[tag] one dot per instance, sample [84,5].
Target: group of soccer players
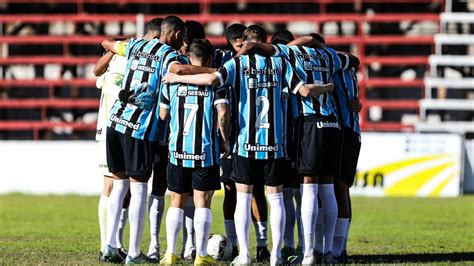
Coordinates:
[281,117]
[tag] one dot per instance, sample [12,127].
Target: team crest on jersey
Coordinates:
[182,91]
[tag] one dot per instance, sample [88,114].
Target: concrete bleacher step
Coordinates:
[447,83]
[460,127]
[450,60]
[445,104]
[448,17]
[452,39]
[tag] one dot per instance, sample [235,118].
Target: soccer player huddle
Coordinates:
[273,122]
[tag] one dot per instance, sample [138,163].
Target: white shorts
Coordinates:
[103,168]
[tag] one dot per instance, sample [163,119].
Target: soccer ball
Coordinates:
[219,247]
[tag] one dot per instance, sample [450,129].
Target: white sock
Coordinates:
[309,212]
[277,222]
[102,211]
[230,232]
[242,222]
[289,235]
[137,214]
[156,207]
[320,232]
[340,234]
[347,235]
[188,233]
[114,207]
[174,223]
[329,209]
[121,227]
[297,197]
[202,227]
[261,229]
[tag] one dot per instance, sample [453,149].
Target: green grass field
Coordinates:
[64,230]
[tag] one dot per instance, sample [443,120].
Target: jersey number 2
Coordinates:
[189,119]
[262,101]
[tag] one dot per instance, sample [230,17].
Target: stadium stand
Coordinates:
[448,105]
[48,48]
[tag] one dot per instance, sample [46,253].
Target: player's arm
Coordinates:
[294,82]
[351,60]
[182,69]
[308,41]
[204,79]
[103,63]
[165,103]
[354,105]
[116,47]
[313,90]
[221,103]
[257,48]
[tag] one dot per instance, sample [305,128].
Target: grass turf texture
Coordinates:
[64,230]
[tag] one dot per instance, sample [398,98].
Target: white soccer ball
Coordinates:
[219,247]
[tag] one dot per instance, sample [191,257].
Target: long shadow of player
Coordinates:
[403,258]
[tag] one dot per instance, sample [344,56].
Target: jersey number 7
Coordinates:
[189,119]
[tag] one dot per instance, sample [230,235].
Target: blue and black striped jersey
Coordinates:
[314,66]
[219,57]
[193,140]
[148,61]
[261,86]
[346,89]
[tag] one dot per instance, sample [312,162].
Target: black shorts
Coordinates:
[160,165]
[251,171]
[290,175]
[226,171]
[350,149]
[127,154]
[184,180]
[318,146]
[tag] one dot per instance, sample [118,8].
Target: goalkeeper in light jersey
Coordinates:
[109,68]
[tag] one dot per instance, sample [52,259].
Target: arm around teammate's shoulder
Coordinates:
[204,79]
[183,69]
[103,63]
[313,90]
[264,49]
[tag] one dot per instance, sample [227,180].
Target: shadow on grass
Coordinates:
[401,258]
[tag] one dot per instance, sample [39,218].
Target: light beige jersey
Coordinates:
[110,83]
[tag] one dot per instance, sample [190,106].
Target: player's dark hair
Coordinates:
[255,32]
[194,30]
[173,24]
[201,48]
[318,37]
[234,31]
[154,25]
[282,37]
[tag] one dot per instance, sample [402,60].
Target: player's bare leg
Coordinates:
[260,218]
[228,208]
[289,235]
[277,221]
[343,217]
[242,222]
[188,251]
[156,205]
[137,214]
[329,212]
[202,225]
[300,244]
